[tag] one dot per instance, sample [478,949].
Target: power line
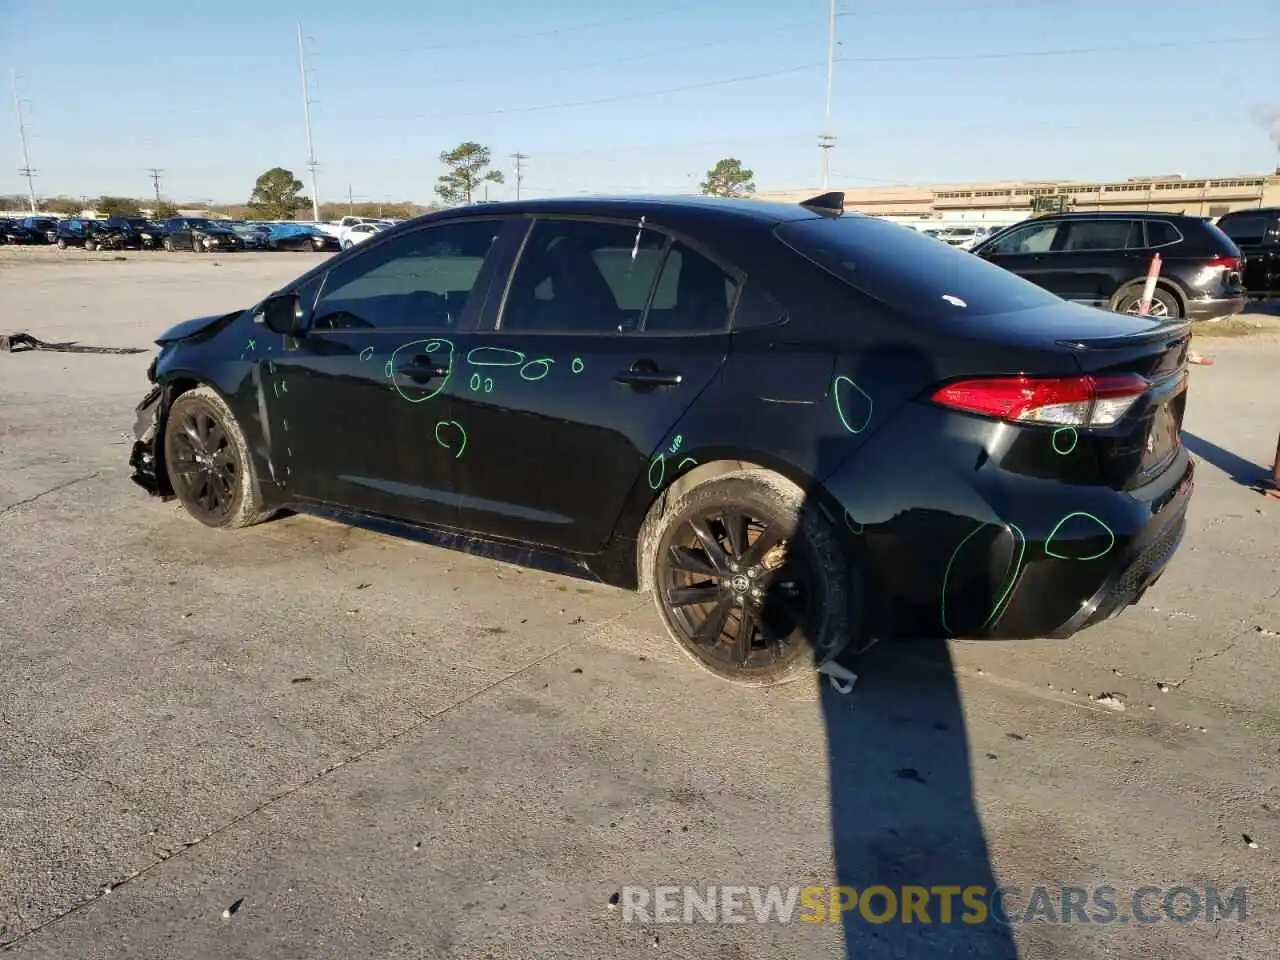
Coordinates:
[770,74]
[519,158]
[26,168]
[306,107]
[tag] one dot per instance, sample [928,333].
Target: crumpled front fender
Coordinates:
[147,457]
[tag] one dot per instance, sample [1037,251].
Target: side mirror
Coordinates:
[282,314]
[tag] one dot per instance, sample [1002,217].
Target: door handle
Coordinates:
[649,378]
[422,369]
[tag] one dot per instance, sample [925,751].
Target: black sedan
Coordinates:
[45,229]
[199,235]
[301,237]
[801,430]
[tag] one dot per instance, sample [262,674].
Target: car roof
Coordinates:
[1120,215]
[628,207]
[1252,212]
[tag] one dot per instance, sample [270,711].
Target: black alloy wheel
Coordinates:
[204,465]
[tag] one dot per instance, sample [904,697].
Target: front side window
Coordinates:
[578,276]
[1033,238]
[421,280]
[1086,235]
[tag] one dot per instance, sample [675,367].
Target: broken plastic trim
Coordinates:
[21,342]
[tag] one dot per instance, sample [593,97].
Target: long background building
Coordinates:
[1003,201]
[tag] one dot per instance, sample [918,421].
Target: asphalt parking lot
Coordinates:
[302,740]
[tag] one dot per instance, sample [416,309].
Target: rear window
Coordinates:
[1244,229]
[1225,241]
[909,271]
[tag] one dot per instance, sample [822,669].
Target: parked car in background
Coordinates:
[12,231]
[357,232]
[138,233]
[199,235]
[252,234]
[300,236]
[44,229]
[1102,259]
[1257,234]
[594,385]
[84,232]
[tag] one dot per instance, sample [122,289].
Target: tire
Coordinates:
[62,244]
[90,246]
[168,244]
[213,476]
[196,245]
[803,621]
[348,245]
[1164,304]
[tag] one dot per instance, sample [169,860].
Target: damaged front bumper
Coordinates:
[144,459]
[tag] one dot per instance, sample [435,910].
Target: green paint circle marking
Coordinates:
[680,465]
[1009,584]
[494,357]
[461,430]
[577,366]
[1069,441]
[366,353]
[426,346]
[660,462]
[488,384]
[676,444]
[535,370]
[841,401]
[475,381]
[1058,526]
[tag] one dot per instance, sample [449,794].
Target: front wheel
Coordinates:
[750,581]
[62,244]
[1164,305]
[207,459]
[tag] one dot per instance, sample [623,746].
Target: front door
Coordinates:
[1095,258]
[362,411]
[1027,251]
[608,333]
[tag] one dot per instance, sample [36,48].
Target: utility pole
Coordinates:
[26,169]
[155,181]
[306,108]
[519,158]
[351,202]
[826,141]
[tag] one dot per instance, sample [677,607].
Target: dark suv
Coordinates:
[1257,234]
[1102,259]
[45,229]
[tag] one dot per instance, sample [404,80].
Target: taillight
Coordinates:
[1057,401]
[1223,263]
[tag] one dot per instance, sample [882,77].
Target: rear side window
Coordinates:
[910,272]
[1161,233]
[1087,235]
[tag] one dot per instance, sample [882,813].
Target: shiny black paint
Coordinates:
[968,526]
[1102,277]
[1261,248]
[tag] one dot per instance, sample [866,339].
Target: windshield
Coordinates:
[909,271]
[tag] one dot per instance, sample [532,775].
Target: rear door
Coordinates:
[1027,250]
[607,332]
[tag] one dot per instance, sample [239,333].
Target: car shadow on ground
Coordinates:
[1242,471]
[903,812]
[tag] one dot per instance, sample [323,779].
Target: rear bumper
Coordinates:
[1218,309]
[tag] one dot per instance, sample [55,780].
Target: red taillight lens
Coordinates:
[1223,263]
[1054,401]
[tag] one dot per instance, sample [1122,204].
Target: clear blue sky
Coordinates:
[929,90]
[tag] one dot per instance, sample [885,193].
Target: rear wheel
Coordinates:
[90,245]
[751,584]
[1164,305]
[168,244]
[62,244]
[207,458]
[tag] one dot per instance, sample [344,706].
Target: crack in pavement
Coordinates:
[45,493]
[315,778]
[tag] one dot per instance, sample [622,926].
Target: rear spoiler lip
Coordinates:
[1173,331]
